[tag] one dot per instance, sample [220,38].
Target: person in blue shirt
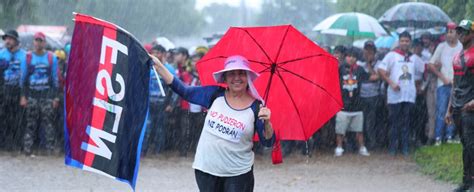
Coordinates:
[160,107]
[224,157]
[40,95]
[12,68]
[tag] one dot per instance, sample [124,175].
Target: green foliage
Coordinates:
[144,18]
[303,14]
[443,162]
[223,16]
[15,12]
[455,9]
[469,12]
[374,8]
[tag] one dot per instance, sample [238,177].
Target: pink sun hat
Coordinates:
[235,62]
[238,62]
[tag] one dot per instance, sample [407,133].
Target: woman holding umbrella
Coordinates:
[224,157]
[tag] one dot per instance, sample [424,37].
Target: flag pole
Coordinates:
[159,82]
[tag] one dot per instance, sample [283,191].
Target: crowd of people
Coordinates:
[409,113]
[394,99]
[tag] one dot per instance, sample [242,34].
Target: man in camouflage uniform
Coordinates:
[40,95]
[12,63]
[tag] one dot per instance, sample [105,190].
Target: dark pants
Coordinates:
[375,133]
[400,116]
[39,117]
[196,124]
[419,121]
[185,137]
[465,122]
[326,136]
[173,130]
[191,126]
[155,135]
[210,183]
[11,118]
[59,124]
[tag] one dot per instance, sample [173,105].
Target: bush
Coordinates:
[443,162]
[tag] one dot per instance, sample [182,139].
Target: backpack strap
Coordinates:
[29,56]
[463,63]
[50,59]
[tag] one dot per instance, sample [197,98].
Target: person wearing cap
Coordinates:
[428,46]
[461,104]
[40,95]
[340,53]
[224,157]
[196,112]
[428,96]
[372,98]
[12,69]
[421,109]
[402,71]
[160,107]
[441,64]
[351,117]
[184,73]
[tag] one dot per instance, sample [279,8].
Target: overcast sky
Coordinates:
[255,4]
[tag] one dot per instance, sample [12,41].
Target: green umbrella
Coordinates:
[355,25]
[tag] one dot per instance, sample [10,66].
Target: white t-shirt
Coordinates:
[404,73]
[225,146]
[444,54]
[425,55]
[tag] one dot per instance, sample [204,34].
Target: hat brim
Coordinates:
[218,76]
[8,35]
[463,28]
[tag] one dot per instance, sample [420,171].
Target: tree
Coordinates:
[143,18]
[10,9]
[221,16]
[373,8]
[455,9]
[146,18]
[303,14]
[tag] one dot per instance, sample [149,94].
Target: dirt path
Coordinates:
[322,172]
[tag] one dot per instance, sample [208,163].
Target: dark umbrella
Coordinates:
[414,14]
[26,42]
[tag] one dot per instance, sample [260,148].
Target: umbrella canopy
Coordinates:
[414,14]
[165,42]
[26,42]
[416,33]
[359,43]
[386,41]
[298,80]
[351,25]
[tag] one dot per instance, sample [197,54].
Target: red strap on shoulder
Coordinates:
[28,58]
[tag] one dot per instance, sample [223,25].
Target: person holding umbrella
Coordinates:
[224,157]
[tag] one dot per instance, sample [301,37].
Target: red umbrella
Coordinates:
[299,81]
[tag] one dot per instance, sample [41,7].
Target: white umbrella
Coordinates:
[165,42]
[351,24]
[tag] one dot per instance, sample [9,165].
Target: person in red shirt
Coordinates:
[461,107]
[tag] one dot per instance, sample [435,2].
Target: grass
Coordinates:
[442,162]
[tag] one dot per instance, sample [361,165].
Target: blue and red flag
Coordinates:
[106,99]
